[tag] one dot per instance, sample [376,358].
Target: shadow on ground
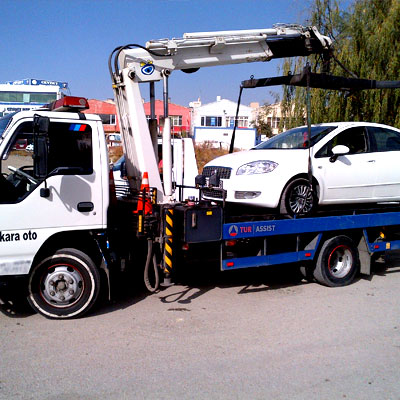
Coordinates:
[192,281]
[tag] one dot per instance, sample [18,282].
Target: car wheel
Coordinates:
[337,263]
[64,285]
[298,198]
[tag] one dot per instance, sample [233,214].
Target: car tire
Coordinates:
[64,285]
[338,262]
[298,198]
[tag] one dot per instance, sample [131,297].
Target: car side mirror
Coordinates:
[339,150]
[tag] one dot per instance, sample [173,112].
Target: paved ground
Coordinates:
[257,334]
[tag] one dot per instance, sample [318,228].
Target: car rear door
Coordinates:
[386,150]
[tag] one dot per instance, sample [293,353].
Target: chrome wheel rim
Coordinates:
[62,286]
[301,199]
[340,261]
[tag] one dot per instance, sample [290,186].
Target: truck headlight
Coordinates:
[256,167]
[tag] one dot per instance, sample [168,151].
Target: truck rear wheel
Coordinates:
[64,285]
[337,263]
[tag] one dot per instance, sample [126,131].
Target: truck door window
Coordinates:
[70,146]
[16,179]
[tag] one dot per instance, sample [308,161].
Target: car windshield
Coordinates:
[296,138]
[4,122]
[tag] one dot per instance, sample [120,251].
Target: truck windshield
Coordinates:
[296,138]
[4,122]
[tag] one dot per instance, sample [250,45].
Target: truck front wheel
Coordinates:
[64,285]
[337,263]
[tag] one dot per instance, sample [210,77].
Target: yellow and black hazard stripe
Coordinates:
[168,244]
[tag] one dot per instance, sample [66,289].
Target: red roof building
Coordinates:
[107,112]
[180,116]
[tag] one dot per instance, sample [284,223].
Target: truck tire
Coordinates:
[64,285]
[337,263]
[298,198]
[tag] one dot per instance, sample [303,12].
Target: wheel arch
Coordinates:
[315,182]
[79,240]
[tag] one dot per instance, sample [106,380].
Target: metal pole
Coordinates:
[308,71]
[166,142]
[152,101]
[153,120]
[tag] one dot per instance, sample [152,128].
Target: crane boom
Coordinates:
[134,64]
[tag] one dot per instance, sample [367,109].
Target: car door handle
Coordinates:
[371,161]
[85,206]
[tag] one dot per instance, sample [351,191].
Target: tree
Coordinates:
[367,43]
[262,126]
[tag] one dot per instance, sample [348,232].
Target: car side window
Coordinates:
[384,139]
[354,138]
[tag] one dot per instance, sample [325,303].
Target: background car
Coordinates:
[120,181]
[351,162]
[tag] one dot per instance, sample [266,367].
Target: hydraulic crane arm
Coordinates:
[207,49]
[134,64]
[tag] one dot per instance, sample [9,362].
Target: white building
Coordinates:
[271,114]
[28,94]
[214,122]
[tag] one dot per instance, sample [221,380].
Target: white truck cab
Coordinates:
[69,203]
[54,200]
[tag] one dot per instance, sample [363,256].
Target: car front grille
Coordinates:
[222,172]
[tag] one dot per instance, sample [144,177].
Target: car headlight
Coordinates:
[256,167]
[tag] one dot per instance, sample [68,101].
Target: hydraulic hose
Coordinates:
[151,257]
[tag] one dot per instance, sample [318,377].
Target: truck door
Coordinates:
[75,200]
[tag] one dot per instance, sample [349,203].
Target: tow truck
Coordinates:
[63,232]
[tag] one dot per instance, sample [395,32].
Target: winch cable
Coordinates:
[151,257]
[232,145]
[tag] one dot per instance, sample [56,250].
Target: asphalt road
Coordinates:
[256,334]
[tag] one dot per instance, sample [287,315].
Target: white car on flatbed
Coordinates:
[351,162]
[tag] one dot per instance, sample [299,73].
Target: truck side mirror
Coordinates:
[40,146]
[41,124]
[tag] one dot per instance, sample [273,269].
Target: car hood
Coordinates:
[280,156]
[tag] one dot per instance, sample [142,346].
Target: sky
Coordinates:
[71,40]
